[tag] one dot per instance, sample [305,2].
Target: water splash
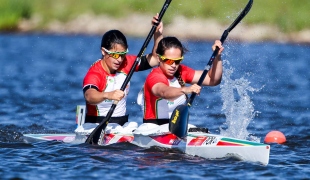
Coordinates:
[237,105]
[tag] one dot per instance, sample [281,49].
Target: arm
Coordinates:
[214,76]
[92,96]
[158,35]
[167,92]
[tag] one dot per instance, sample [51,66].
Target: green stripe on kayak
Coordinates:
[242,142]
[230,140]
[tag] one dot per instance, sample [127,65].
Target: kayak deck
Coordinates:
[209,146]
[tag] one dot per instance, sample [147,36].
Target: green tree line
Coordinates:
[287,15]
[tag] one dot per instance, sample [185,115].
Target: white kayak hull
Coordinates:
[206,145]
[209,146]
[67,138]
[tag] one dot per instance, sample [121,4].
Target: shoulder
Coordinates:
[185,68]
[187,73]
[156,72]
[156,76]
[127,63]
[95,68]
[131,58]
[95,74]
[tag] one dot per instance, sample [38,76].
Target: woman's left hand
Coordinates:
[160,26]
[218,43]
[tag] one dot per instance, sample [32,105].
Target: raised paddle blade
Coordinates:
[244,12]
[179,121]
[94,137]
[173,127]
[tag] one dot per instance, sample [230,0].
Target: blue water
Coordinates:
[41,84]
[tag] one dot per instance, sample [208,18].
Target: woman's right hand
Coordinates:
[191,89]
[116,95]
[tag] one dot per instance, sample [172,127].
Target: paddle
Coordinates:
[179,119]
[99,130]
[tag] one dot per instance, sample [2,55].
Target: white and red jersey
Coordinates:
[156,107]
[105,82]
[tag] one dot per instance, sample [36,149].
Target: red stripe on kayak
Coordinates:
[58,138]
[197,141]
[125,139]
[108,137]
[168,139]
[224,143]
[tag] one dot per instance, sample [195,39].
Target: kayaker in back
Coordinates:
[103,81]
[164,88]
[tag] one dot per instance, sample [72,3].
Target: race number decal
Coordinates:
[210,140]
[200,140]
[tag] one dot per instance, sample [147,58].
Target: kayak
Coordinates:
[198,142]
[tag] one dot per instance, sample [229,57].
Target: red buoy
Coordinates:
[275,137]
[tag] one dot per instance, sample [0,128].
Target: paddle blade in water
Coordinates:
[179,121]
[94,137]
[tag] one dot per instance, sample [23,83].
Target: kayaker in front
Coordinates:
[164,88]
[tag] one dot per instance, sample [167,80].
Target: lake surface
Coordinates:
[41,85]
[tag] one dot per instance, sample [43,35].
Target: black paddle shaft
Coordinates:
[95,135]
[178,123]
[223,38]
[145,44]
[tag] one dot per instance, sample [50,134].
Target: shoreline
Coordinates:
[139,25]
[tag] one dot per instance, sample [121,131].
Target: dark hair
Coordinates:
[112,37]
[169,42]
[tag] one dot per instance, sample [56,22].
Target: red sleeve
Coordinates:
[94,77]
[187,73]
